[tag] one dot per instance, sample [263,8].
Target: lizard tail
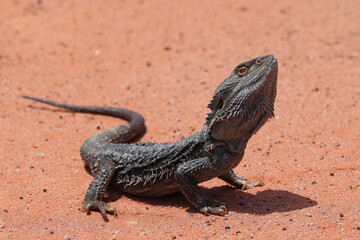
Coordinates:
[119,134]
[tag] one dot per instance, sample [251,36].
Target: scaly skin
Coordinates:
[240,106]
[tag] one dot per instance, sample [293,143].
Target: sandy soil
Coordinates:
[165,61]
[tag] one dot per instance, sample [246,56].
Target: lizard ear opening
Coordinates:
[220,104]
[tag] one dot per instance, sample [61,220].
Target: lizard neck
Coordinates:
[237,145]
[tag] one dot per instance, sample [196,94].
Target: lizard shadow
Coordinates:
[261,203]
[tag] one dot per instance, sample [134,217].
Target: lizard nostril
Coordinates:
[258,62]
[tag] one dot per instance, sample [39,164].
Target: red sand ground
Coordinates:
[165,61]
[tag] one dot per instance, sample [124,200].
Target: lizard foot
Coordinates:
[248,185]
[245,185]
[212,207]
[100,206]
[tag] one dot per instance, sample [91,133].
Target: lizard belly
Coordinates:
[158,188]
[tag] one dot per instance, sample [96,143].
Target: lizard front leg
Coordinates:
[239,182]
[185,177]
[96,190]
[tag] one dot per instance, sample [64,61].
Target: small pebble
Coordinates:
[332,174]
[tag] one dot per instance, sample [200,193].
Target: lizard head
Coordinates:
[244,101]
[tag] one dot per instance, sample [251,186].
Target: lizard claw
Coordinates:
[213,207]
[242,184]
[248,185]
[100,206]
[221,210]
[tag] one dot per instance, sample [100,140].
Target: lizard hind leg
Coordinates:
[93,198]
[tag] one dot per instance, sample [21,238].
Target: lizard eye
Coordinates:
[258,62]
[220,104]
[242,71]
